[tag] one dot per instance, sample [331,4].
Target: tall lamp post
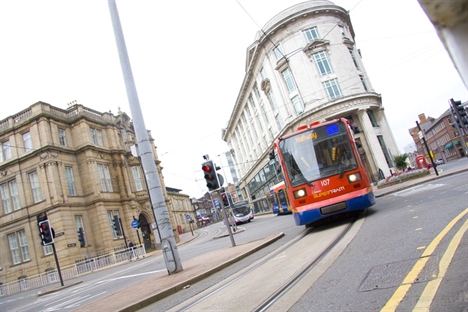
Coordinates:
[168,243]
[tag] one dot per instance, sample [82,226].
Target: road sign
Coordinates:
[187,216]
[216,202]
[135,224]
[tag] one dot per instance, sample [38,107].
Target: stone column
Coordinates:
[376,153]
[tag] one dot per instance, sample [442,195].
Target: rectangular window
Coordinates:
[263,74]
[279,122]
[342,30]
[322,63]
[96,137]
[354,59]
[372,118]
[332,88]
[311,34]
[297,103]
[104,177]
[47,250]
[136,178]
[363,82]
[18,247]
[70,181]
[385,150]
[62,137]
[278,52]
[10,197]
[288,79]
[5,151]
[27,142]
[257,92]
[272,100]
[252,102]
[35,187]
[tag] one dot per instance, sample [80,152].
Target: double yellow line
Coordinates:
[430,291]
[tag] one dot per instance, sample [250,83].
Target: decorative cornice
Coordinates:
[316,45]
[48,154]
[322,112]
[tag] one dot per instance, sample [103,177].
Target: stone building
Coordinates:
[76,166]
[181,210]
[302,67]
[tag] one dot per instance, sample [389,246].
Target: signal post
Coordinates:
[214,182]
[47,234]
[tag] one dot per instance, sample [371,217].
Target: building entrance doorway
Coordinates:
[146,232]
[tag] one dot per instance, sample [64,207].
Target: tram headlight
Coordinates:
[354,177]
[300,193]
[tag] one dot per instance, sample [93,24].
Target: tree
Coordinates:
[400,161]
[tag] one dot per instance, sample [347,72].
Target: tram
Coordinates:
[323,172]
[279,199]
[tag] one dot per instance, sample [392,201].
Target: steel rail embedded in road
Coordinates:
[258,271]
[300,274]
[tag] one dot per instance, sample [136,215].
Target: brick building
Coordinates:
[442,138]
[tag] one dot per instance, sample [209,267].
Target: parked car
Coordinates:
[439,161]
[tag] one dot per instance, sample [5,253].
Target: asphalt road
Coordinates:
[397,232]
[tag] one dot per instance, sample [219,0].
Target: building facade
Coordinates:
[303,67]
[442,137]
[76,166]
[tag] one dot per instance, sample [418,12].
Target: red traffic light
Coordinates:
[210,175]
[207,168]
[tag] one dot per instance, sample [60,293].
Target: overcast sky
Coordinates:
[188,61]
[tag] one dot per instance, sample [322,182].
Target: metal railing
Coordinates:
[81,267]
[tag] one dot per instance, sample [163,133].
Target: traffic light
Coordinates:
[46,233]
[81,237]
[460,113]
[225,199]
[211,177]
[116,225]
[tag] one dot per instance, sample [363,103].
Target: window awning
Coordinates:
[457,142]
[450,145]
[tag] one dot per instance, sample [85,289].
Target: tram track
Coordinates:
[262,284]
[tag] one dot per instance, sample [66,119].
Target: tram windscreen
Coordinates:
[318,153]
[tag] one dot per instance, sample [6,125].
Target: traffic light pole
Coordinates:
[58,265]
[428,151]
[158,203]
[228,223]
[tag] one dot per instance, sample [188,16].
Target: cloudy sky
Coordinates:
[188,61]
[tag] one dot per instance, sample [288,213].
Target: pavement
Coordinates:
[147,292]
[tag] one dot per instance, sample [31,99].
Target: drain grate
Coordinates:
[392,274]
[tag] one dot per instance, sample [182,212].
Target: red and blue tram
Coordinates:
[279,199]
[323,172]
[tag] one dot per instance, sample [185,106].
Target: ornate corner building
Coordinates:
[76,166]
[302,67]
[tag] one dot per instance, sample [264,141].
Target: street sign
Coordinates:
[420,135]
[59,234]
[71,245]
[135,224]
[187,216]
